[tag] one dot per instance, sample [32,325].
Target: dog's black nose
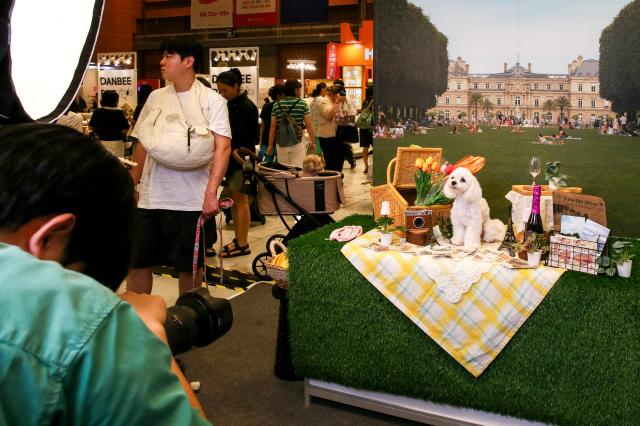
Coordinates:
[454,183]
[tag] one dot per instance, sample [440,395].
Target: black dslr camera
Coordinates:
[197,319]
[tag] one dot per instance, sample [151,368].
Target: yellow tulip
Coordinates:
[435,166]
[429,160]
[425,168]
[419,163]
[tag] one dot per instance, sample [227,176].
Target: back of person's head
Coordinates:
[276,91]
[368,92]
[335,90]
[318,89]
[290,87]
[231,77]
[48,169]
[338,82]
[75,107]
[184,47]
[109,98]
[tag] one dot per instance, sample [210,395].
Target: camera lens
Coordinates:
[197,319]
[418,222]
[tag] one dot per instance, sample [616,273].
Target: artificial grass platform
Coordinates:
[576,361]
[602,165]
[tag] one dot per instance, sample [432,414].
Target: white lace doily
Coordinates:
[454,277]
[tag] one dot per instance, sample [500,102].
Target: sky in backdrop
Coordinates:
[547,33]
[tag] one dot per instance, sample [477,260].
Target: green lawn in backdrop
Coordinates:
[606,166]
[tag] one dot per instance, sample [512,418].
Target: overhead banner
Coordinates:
[118,71]
[255,13]
[298,12]
[211,14]
[333,70]
[246,59]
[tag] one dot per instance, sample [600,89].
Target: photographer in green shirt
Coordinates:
[71,351]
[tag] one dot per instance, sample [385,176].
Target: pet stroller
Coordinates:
[282,192]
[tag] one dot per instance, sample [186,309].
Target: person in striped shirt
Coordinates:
[299,110]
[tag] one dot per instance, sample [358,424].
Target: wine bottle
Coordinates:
[534,224]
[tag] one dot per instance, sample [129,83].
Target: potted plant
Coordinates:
[619,260]
[553,176]
[535,245]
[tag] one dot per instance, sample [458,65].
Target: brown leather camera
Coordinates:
[418,220]
[418,223]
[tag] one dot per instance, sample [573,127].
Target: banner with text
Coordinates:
[117,71]
[211,14]
[255,13]
[246,59]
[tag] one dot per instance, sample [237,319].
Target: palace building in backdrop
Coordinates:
[520,92]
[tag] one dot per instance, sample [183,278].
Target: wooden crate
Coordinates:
[528,189]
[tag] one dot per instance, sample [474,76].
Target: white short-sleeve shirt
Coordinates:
[164,188]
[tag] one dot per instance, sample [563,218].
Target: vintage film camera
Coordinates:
[418,223]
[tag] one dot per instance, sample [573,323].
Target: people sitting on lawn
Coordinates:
[473,128]
[381,131]
[549,140]
[561,132]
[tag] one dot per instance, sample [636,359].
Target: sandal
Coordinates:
[234,250]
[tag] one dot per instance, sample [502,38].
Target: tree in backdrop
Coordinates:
[476,99]
[620,61]
[548,106]
[563,103]
[487,106]
[411,66]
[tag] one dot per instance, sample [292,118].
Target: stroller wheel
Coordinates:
[276,237]
[259,267]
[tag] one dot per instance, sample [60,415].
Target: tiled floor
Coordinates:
[358,200]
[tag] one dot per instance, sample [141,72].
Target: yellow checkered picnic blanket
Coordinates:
[474,330]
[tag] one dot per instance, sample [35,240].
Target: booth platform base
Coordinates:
[407,408]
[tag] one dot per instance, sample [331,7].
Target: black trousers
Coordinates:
[333,153]
[348,152]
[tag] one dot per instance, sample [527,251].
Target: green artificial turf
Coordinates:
[602,165]
[576,361]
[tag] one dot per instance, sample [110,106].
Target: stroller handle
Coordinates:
[240,153]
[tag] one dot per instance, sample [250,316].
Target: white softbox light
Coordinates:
[45,47]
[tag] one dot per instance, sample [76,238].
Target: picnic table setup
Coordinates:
[414,318]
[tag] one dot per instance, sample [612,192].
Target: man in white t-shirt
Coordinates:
[171,199]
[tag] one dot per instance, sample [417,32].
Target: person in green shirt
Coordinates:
[71,351]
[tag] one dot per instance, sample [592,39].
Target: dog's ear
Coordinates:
[474,192]
[446,189]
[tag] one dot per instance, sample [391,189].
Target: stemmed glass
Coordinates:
[534,168]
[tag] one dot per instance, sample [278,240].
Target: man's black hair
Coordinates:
[277,90]
[184,47]
[109,98]
[48,169]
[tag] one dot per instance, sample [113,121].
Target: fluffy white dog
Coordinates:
[470,212]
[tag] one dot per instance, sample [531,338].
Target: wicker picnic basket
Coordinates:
[401,191]
[404,165]
[277,273]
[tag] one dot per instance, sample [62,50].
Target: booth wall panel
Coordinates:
[118,25]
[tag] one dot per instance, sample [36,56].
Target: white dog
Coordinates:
[470,212]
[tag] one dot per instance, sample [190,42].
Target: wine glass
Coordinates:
[534,168]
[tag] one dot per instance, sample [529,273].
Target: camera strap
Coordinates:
[223,204]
